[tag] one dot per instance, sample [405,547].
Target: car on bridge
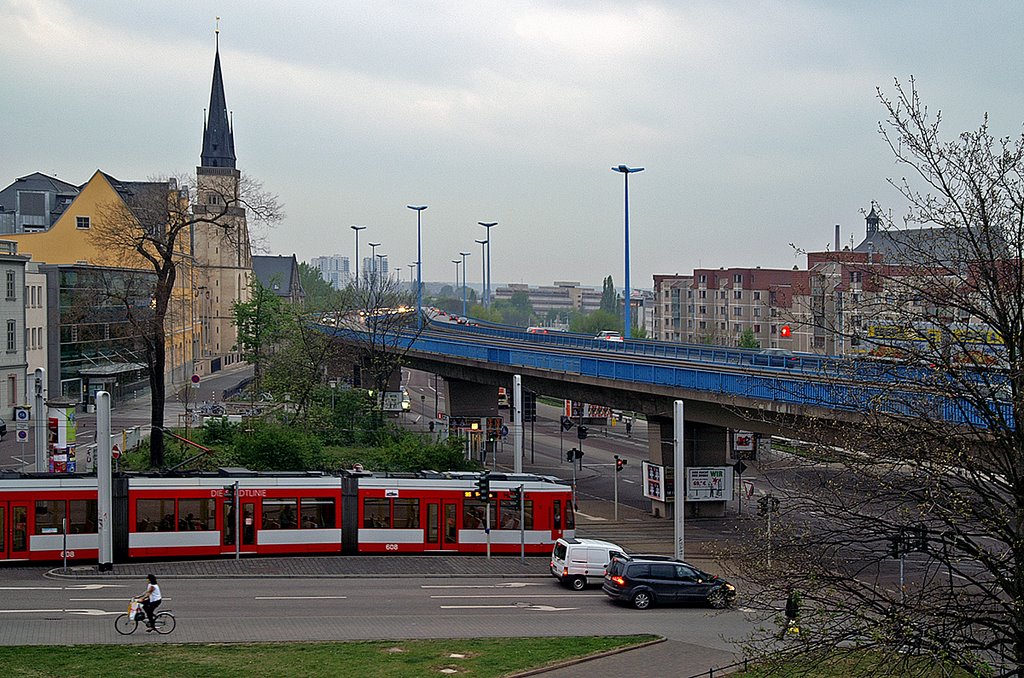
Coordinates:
[609,335]
[645,581]
[774,357]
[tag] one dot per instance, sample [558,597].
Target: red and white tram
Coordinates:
[188,516]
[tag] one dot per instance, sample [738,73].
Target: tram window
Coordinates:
[49,514]
[280,514]
[509,512]
[154,515]
[317,512]
[473,516]
[570,517]
[197,514]
[376,512]
[82,514]
[407,513]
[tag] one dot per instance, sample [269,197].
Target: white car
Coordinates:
[609,335]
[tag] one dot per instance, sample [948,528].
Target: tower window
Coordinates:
[82,223]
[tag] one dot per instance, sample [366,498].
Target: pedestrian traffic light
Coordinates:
[581,432]
[767,504]
[229,493]
[515,496]
[620,463]
[919,537]
[896,544]
[785,331]
[529,406]
[573,454]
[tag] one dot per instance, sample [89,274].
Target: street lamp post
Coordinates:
[464,255]
[483,267]
[357,229]
[488,225]
[457,262]
[373,258]
[419,265]
[626,171]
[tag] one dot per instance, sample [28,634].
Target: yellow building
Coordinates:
[96,231]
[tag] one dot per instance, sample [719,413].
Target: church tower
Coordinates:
[222,249]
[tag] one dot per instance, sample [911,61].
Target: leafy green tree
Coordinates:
[319,293]
[279,448]
[748,340]
[518,310]
[609,297]
[592,323]
[261,324]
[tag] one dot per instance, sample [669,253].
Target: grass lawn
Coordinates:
[480,657]
[855,665]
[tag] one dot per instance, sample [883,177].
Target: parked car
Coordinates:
[643,582]
[609,335]
[577,562]
[3,428]
[774,357]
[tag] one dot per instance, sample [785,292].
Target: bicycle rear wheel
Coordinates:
[125,625]
[165,623]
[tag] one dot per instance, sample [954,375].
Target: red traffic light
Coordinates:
[785,331]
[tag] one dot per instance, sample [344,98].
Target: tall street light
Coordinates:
[483,267]
[373,259]
[464,255]
[457,262]
[488,225]
[419,265]
[357,229]
[626,171]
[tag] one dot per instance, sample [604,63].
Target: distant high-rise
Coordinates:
[334,269]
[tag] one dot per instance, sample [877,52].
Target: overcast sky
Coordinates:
[757,123]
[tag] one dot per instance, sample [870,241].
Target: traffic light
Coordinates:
[767,504]
[483,486]
[785,331]
[620,463]
[229,493]
[896,544]
[581,432]
[529,406]
[919,537]
[515,496]
[566,423]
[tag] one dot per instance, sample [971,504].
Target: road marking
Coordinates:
[540,608]
[75,587]
[490,596]
[581,514]
[631,482]
[301,597]
[507,585]
[86,611]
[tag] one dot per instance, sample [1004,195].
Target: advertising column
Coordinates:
[62,430]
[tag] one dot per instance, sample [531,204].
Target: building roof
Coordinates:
[276,273]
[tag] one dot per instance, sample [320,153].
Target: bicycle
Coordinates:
[127,623]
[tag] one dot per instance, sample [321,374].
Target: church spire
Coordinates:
[218,138]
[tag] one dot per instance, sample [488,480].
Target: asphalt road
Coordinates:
[40,611]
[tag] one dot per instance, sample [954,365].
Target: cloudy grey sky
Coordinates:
[757,121]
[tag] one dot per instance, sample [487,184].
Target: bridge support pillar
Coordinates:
[703,445]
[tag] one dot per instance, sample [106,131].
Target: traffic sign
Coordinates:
[22,414]
[195,379]
[21,435]
[504,431]
[115,452]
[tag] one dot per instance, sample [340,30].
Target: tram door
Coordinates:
[450,533]
[248,524]
[13,530]
[432,537]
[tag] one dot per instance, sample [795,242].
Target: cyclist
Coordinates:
[151,600]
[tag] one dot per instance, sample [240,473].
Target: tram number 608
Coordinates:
[390,547]
[67,554]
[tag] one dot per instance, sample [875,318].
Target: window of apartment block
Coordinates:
[856,276]
[757,329]
[723,294]
[737,294]
[775,329]
[757,296]
[738,278]
[212,199]
[737,310]
[703,309]
[757,313]
[856,296]
[12,336]
[689,309]
[689,324]
[10,286]
[702,325]
[689,294]
[775,312]
[737,328]
[723,326]
[703,294]
[703,279]
[723,310]
[82,223]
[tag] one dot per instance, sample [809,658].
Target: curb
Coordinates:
[581,660]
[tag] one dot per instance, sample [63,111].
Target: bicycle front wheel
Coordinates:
[165,623]
[125,625]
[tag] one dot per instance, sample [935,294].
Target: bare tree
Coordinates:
[151,229]
[908,538]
